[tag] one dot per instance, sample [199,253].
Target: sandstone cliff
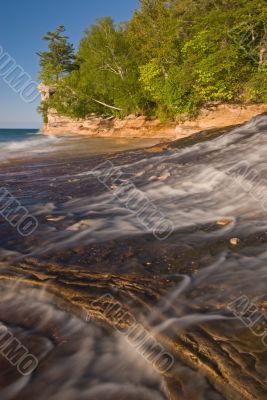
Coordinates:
[216,116]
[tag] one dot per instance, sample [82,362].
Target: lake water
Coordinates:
[21,143]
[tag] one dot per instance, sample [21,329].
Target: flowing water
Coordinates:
[23,143]
[189,240]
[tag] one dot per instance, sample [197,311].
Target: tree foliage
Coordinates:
[59,59]
[172,57]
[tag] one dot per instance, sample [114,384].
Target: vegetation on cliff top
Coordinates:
[172,57]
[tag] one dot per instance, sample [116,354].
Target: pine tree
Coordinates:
[59,60]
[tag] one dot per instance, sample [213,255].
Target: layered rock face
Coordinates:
[216,116]
[99,126]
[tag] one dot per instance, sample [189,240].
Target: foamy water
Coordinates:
[79,360]
[212,192]
[22,143]
[191,187]
[203,185]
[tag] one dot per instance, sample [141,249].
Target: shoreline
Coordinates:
[217,116]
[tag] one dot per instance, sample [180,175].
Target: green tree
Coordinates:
[108,78]
[172,57]
[108,68]
[59,60]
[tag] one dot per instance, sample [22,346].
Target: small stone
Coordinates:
[55,219]
[80,225]
[114,187]
[224,221]
[234,241]
[164,177]
[156,149]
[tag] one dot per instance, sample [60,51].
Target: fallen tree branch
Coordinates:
[107,105]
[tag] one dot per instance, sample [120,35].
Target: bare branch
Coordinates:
[107,105]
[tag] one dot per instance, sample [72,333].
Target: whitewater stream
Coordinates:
[126,281]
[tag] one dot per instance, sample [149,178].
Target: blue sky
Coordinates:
[22,25]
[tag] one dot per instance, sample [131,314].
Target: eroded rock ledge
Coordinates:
[132,126]
[215,116]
